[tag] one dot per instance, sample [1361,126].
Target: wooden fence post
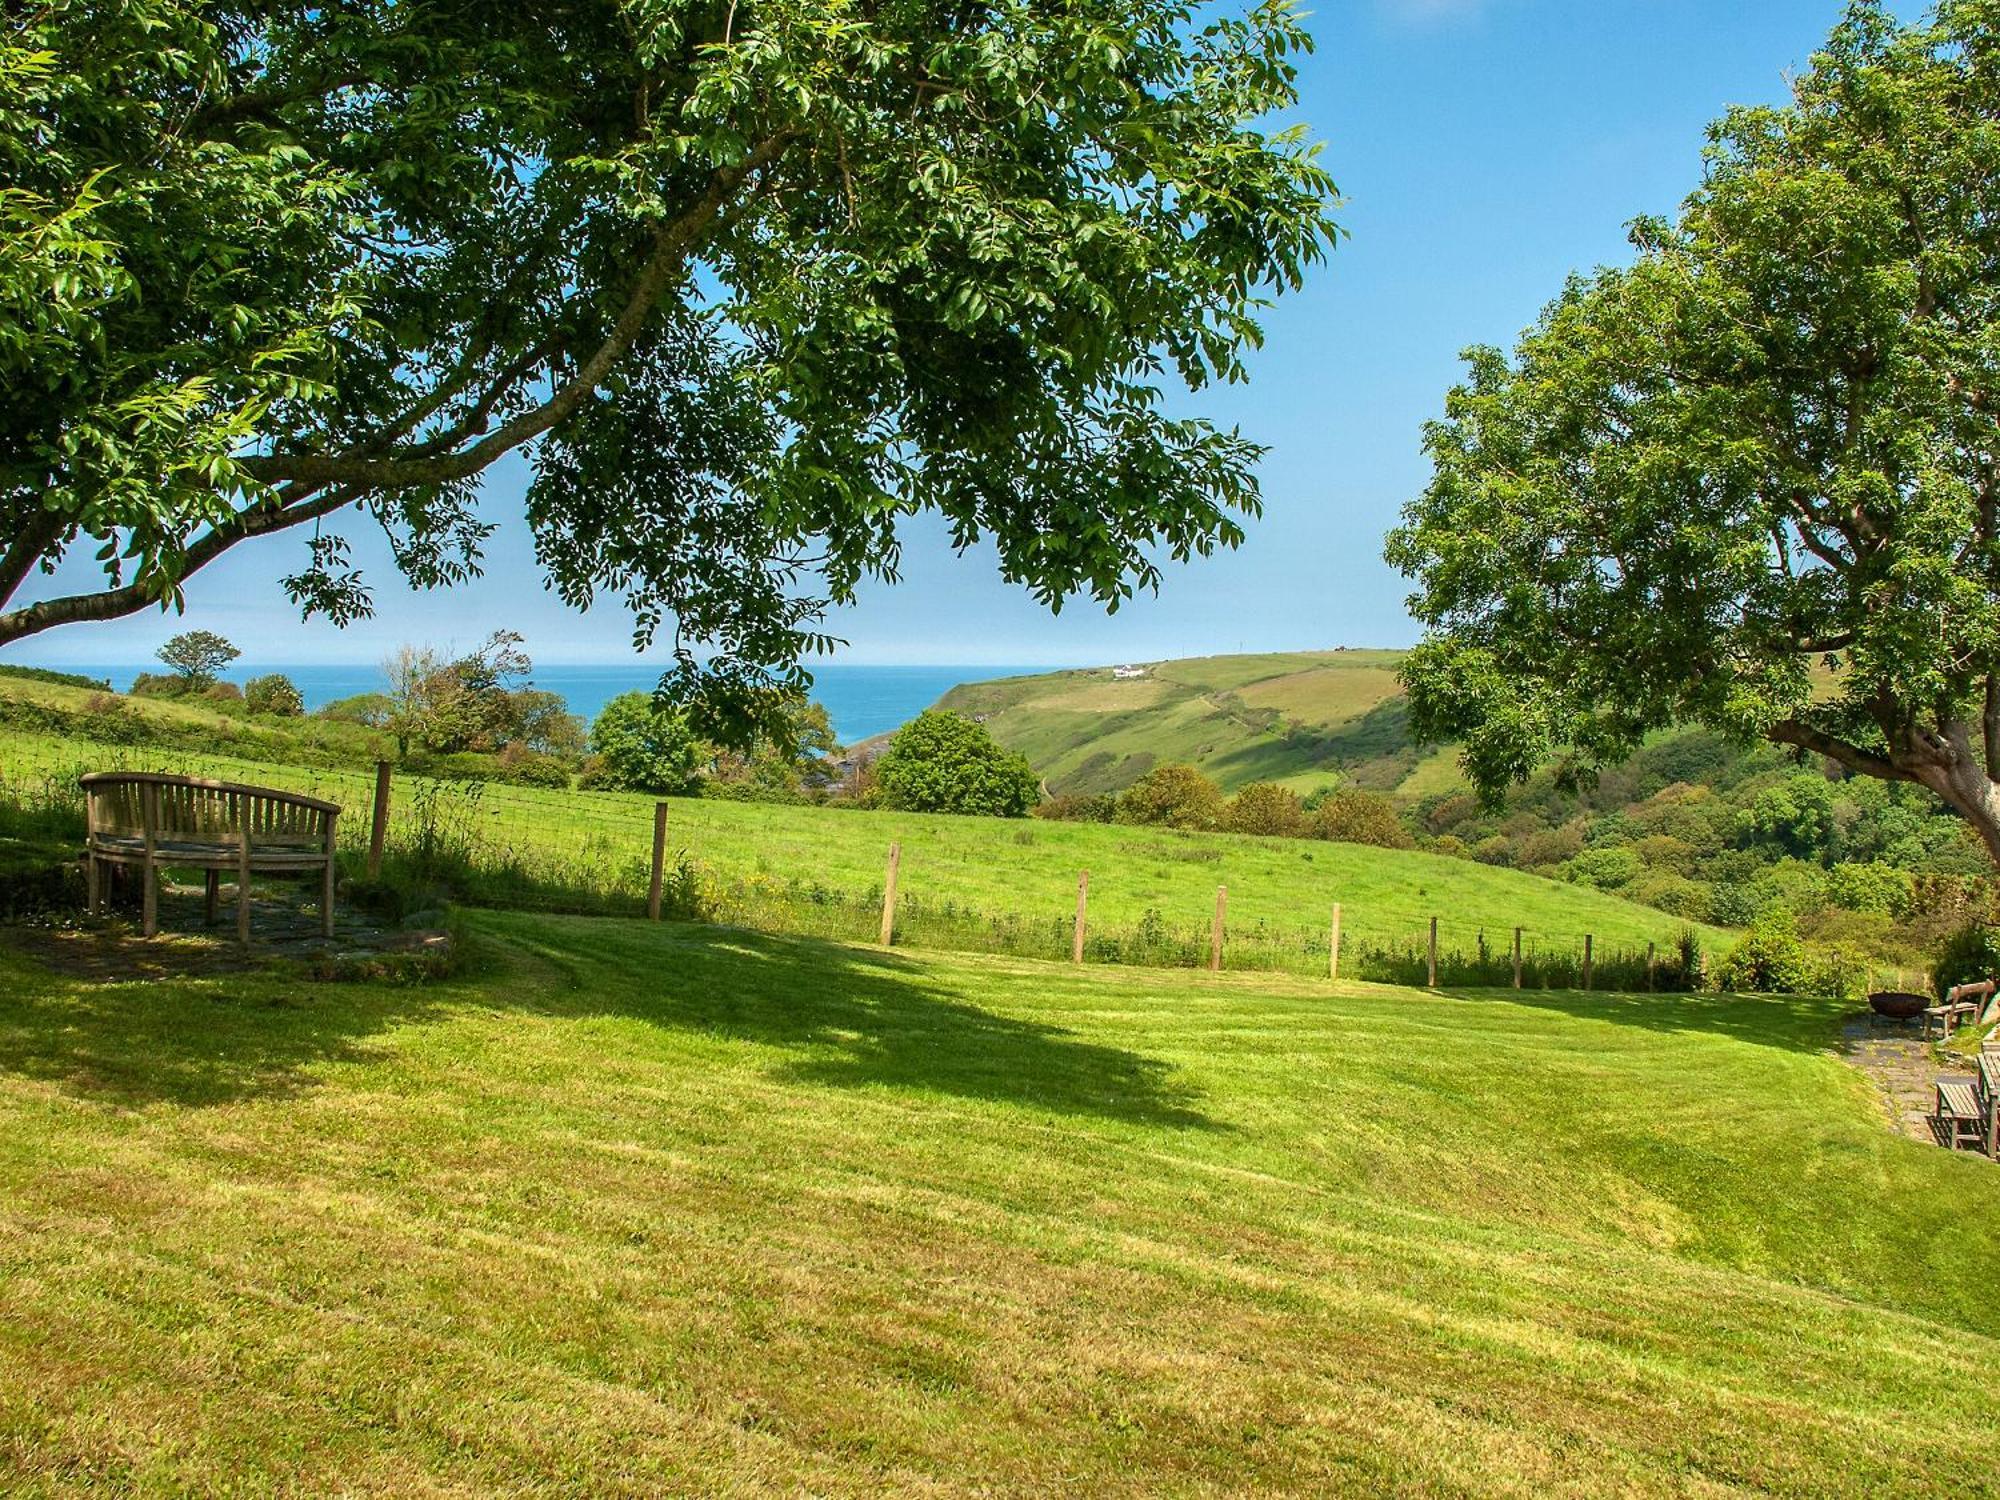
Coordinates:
[889,895]
[1586,960]
[659,861]
[1649,968]
[1517,958]
[1333,946]
[378,831]
[1082,898]
[1215,928]
[1431,971]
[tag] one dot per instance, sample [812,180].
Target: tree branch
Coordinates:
[111,604]
[1846,753]
[671,245]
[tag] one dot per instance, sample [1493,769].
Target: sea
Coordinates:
[862,701]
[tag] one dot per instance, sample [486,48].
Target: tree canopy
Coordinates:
[1750,480]
[196,657]
[943,762]
[750,283]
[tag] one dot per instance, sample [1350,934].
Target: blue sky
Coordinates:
[1486,148]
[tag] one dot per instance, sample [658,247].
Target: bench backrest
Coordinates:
[1979,991]
[186,807]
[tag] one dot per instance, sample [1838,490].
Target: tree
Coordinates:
[747,284]
[1750,481]
[463,703]
[643,746]
[1175,796]
[943,762]
[196,656]
[781,767]
[274,693]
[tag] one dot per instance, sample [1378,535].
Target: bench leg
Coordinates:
[214,895]
[149,898]
[93,882]
[326,902]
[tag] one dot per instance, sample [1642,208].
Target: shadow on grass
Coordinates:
[1795,1023]
[854,1018]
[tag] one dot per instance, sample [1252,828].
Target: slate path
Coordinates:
[1904,1066]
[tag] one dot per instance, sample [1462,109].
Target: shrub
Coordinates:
[370,710]
[534,768]
[1265,808]
[222,692]
[641,747]
[1664,891]
[158,685]
[1552,846]
[1768,959]
[1350,815]
[943,762]
[1172,796]
[1968,954]
[1075,807]
[274,694]
[1608,868]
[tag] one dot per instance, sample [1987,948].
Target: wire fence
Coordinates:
[492,844]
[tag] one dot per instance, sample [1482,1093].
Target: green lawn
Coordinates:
[1024,867]
[639,1210]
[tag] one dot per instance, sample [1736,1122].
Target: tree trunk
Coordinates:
[1966,788]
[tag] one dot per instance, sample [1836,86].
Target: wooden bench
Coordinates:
[1960,1121]
[143,819]
[1961,1003]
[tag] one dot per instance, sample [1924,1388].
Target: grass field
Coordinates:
[958,870]
[637,1210]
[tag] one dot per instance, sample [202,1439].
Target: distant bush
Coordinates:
[370,710]
[1608,869]
[1350,815]
[59,679]
[158,685]
[1266,808]
[1073,807]
[1675,894]
[1172,796]
[533,767]
[1872,887]
[943,762]
[274,694]
[222,692]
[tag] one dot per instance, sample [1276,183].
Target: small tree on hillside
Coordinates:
[1353,816]
[275,694]
[1752,481]
[943,762]
[1265,808]
[1173,796]
[196,656]
[642,746]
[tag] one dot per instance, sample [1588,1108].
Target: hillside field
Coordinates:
[599,843]
[1302,719]
[637,1210]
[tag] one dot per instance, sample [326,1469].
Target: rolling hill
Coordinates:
[1302,719]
